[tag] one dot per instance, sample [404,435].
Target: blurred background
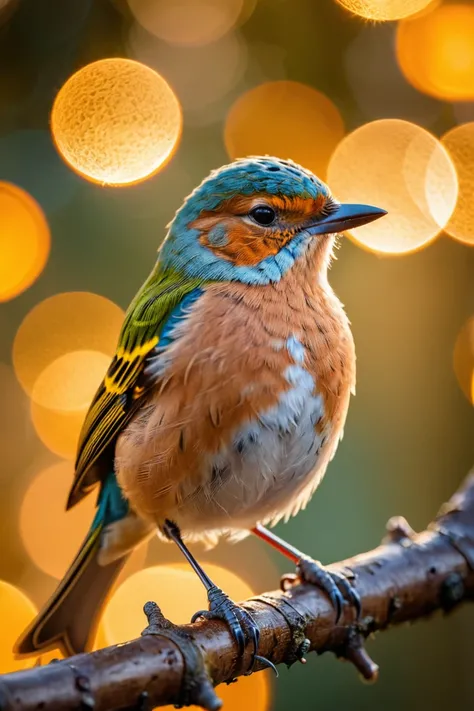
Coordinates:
[377,98]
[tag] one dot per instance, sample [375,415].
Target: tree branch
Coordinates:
[408,577]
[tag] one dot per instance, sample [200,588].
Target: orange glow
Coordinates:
[402,168]
[65,323]
[116,121]
[250,692]
[189,22]
[16,611]
[285,119]
[177,590]
[463,359]
[61,396]
[385,9]
[436,52]
[459,142]
[24,241]
[70,381]
[58,429]
[51,535]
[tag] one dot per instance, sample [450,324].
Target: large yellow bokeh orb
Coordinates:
[60,326]
[436,52]
[188,23]
[58,430]
[51,535]
[249,692]
[385,9]
[24,240]
[285,119]
[400,167]
[70,381]
[16,612]
[175,587]
[116,121]
[459,142]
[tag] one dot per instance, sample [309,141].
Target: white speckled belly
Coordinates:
[269,463]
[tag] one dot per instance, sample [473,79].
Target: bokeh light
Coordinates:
[400,167]
[459,143]
[16,611]
[201,76]
[463,359]
[180,594]
[377,82]
[116,121]
[58,429]
[24,240]
[64,324]
[51,535]
[189,22]
[178,591]
[70,381]
[384,9]
[285,119]
[250,692]
[436,51]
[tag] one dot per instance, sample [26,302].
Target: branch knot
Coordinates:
[197,688]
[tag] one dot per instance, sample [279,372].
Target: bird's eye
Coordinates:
[263,214]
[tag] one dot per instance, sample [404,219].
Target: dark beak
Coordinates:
[346,217]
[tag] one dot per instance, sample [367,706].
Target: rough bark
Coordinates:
[409,576]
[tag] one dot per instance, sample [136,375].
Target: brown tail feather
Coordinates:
[70,617]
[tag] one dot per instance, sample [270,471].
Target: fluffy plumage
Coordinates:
[229,388]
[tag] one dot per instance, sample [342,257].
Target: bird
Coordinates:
[225,399]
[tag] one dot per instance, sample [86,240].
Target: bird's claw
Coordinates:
[335,585]
[241,623]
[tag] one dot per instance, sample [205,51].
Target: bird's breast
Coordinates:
[253,398]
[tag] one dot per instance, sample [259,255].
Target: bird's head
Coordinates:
[251,220]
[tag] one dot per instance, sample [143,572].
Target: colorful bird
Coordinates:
[226,397]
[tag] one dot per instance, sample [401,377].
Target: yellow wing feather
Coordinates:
[123,390]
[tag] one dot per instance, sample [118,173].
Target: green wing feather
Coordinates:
[120,395]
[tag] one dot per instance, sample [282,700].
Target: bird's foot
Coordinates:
[241,623]
[335,585]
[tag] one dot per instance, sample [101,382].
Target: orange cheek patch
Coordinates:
[244,246]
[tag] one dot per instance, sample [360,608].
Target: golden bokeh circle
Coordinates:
[250,692]
[16,611]
[435,51]
[180,593]
[58,430]
[285,119]
[189,23]
[70,381]
[459,142]
[383,10]
[61,324]
[24,240]
[400,167]
[51,535]
[463,359]
[116,121]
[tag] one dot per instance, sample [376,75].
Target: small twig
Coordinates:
[408,577]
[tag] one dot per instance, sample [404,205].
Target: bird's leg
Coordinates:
[335,585]
[221,606]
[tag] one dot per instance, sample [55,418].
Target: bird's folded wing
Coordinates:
[124,388]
